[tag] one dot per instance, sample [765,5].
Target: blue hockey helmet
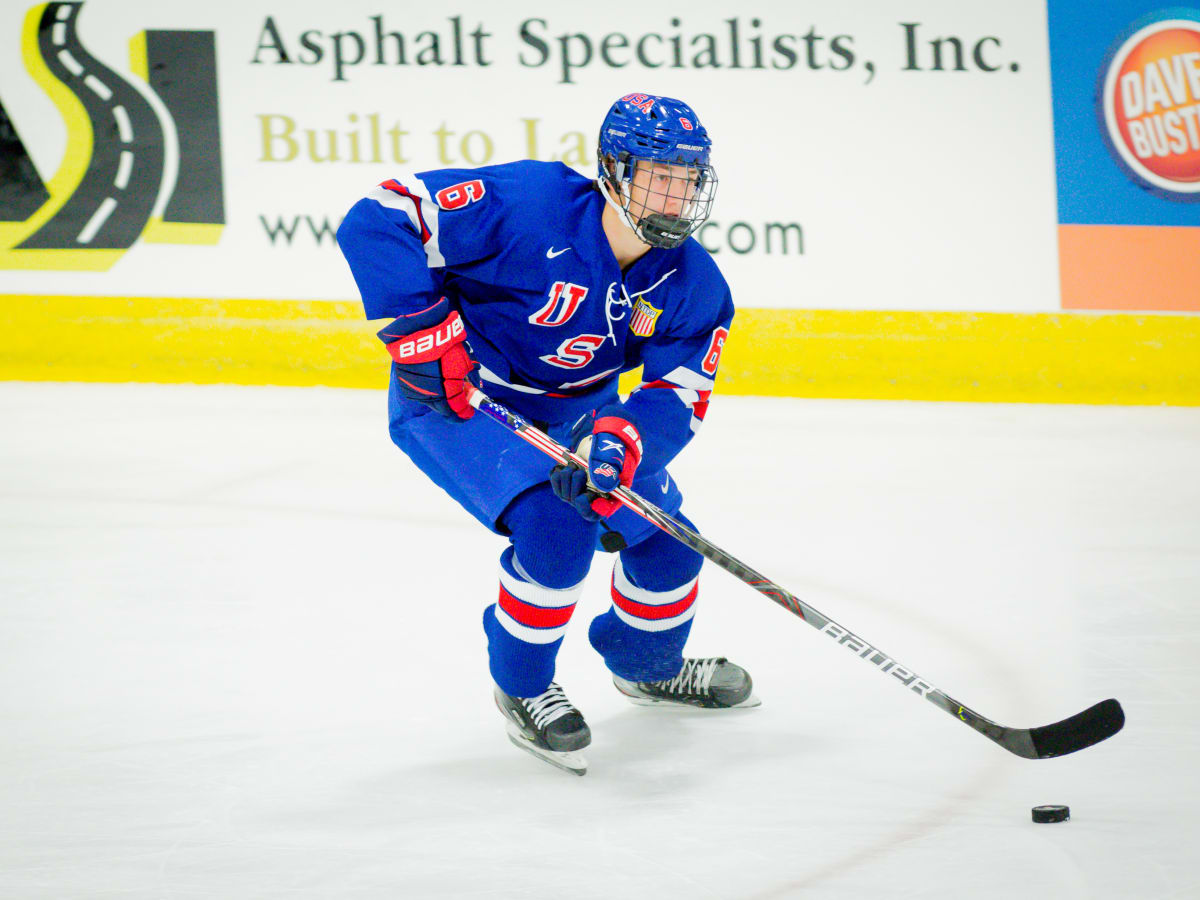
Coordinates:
[663,135]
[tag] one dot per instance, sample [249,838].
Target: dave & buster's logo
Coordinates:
[1150,98]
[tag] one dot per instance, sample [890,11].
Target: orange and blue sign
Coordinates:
[1126,86]
[1151,103]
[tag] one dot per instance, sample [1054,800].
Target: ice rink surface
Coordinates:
[241,657]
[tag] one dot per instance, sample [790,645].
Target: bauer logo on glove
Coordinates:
[417,347]
[432,359]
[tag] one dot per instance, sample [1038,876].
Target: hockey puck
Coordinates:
[1053,813]
[612,541]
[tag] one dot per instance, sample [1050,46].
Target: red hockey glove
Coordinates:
[433,360]
[612,447]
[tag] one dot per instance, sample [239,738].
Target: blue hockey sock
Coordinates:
[640,639]
[654,591]
[525,628]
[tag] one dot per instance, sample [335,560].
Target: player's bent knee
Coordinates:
[553,544]
[660,562]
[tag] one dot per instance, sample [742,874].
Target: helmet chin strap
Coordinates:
[622,211]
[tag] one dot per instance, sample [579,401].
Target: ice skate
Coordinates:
[710,683]
[547,726]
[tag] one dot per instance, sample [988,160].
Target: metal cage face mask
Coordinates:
[674,202]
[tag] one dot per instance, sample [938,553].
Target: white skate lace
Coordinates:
[695,677]
[546,707]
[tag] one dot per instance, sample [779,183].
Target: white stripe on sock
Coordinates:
[650,598]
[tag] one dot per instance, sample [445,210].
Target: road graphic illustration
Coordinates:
[121,183]
[22,192]
[181,68]
[110,181]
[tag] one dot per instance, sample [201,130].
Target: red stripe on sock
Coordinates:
[647,611]
[534,616]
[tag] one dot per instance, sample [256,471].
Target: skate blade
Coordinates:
[568,760]
[749,703]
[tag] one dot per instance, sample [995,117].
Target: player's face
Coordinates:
[661,188]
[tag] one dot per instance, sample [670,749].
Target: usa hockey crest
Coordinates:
[644,318]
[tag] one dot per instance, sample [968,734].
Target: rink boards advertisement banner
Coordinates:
[886,170]
[225,140]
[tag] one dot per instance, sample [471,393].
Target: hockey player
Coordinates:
[543,286]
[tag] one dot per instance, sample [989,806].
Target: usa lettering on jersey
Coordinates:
[565,298]
[576,352]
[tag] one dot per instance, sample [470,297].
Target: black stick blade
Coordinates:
[1082,730]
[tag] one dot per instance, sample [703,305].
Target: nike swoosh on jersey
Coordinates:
[551,253]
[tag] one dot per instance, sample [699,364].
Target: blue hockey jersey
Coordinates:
[550,316]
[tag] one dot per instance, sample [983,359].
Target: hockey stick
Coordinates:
[1089,727]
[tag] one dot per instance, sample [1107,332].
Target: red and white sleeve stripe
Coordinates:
[692,389]
[409,196]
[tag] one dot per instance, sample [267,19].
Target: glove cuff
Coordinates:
[627,433]
[404,325]
[429,344]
